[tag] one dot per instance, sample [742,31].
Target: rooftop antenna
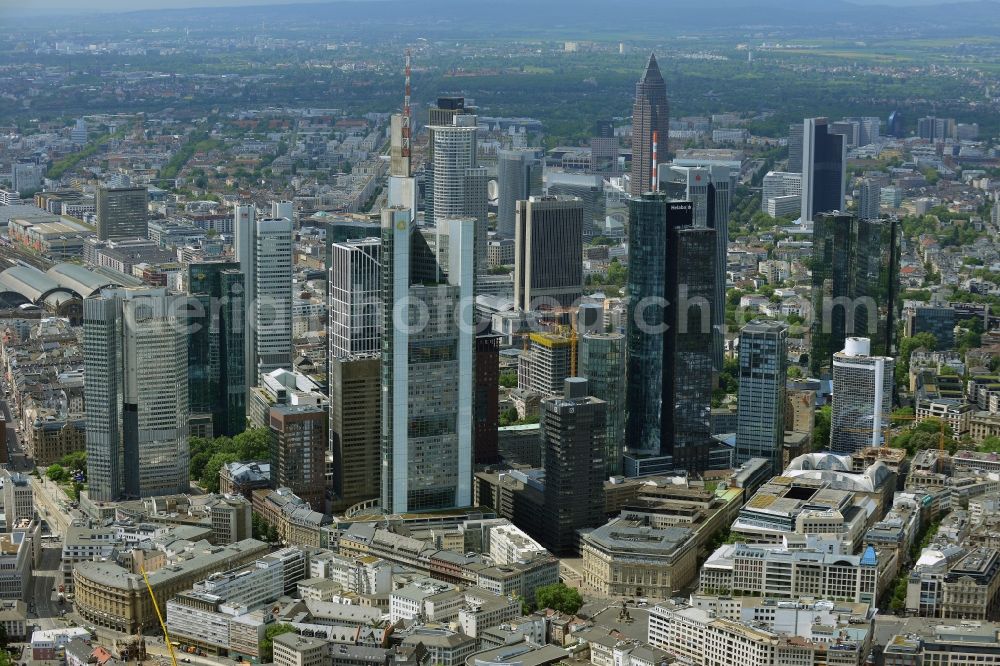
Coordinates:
[405,148]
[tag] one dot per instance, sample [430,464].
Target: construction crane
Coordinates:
[159,616]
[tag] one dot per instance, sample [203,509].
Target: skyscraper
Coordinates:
[602,364]
[573,430]
[548,252]
[355,434]
[795,148]
[604,149]
[486,404]
[298,450]
[136,394]
[122,212]
[669,338]
[428,351]
[708,188]
[442,114]
[216,355]
[855,278]
[869,199]
[651,113]
[355,289]
[895,123]
[824,160]
[519,176]
[264,250]
[760,420]
[862,397]
[459,184]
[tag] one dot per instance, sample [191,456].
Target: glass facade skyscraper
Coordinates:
[855,285]
[650,113]
[824,160]
[760,411]
[862,397]
[669,336]
[428,347]
[216,372]
[519,176]
[602,363]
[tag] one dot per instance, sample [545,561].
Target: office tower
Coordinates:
[572,432]
[282,209]
[855,284]
[355,289]
[782,184]
[760,409]
[486,404]
[938,320]
[459,185]
[216,346]
[355,433]
[602,364]
[548,253]
[136,394]
[78,134]
[442,114]
[795,148]
[708,188]
[604,149]
[590,190]
[669,338]
[862,397]
[18,499]
[26,177]
[896,125]
[519,176]
[546,364]
[264,250]
[651,113]
[446,110]
[824,159]
[849,129]
[871,128]
[122,212]
[299,443]
[936,129]
[428,351]
[869,200]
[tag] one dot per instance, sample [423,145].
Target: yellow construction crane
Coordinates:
[159,616]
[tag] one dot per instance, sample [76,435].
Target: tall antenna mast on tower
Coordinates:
[405,148]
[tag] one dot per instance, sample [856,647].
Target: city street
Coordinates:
[45,582]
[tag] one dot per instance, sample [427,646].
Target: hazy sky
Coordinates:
[20,6]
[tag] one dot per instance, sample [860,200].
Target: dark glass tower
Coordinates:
[855,278]
[216,370]
[824,159]
[651,113]
[669,340]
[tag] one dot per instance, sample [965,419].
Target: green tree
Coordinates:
[253,444]
[210,474]
[821,429]
[75,460]
[57,473]
[990,445]
[508,379]
[267,644]
[560,597]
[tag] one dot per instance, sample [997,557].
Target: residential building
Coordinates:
[548,238]
[763,359]
[136,363]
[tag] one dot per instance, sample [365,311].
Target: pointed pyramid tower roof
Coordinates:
[652,72]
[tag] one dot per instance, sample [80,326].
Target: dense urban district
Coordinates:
[372,334]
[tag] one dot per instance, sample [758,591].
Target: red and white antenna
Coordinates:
[656,141]
[405,149]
